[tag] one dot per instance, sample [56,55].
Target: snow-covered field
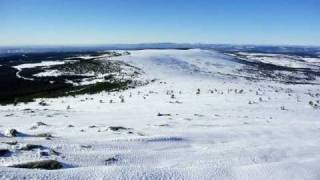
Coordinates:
[284,60]
[195,121]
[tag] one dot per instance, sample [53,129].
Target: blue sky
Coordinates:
[80,22]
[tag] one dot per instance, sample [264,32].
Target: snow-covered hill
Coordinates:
[204,116]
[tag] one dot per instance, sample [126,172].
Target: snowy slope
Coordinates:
[266,131]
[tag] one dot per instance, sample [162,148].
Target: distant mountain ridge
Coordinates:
[141,46]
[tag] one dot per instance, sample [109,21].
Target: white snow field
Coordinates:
[212,125]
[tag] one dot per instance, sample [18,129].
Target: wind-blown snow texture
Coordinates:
[205,130]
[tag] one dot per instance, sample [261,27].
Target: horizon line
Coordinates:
[150,43]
